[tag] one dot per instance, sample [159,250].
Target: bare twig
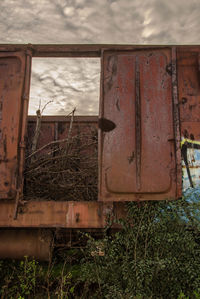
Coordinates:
[64,169]
[71,123]
[70,129]
[37,131]
[42,110]
[38,125]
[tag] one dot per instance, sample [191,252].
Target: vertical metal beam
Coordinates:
[176,123]
[137,123]
[22,145]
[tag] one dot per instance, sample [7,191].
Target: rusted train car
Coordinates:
[148,122]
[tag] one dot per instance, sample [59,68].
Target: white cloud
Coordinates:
[92,21]
[69,82]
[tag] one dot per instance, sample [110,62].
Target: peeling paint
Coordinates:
[190,163]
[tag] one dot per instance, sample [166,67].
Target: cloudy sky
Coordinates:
[75,82]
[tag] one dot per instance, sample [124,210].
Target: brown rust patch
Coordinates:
[169,69]
[77,217]
[112,71]
[183,100]
[5,147]
[131,157]
[117,104]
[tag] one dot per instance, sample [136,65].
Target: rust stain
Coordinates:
[183,100]
[117,104]
[169,69]
[112,71]
[5,147]
[77,217]
[131,157]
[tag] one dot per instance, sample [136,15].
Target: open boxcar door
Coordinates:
[137,150]
[14,94]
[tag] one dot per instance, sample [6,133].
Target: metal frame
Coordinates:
[68,214]
[79,50]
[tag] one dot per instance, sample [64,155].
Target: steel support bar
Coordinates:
[71,50]
[50,214]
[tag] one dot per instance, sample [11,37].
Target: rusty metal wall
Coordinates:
[144,90]
[57,127]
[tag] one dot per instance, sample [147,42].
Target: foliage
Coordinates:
[29,279]
[19,279]
[155,255]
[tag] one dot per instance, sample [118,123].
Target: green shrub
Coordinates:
[155,255]
[18,279]
[29,279]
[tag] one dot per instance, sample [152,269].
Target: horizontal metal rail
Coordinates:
[50,214]
[76,50]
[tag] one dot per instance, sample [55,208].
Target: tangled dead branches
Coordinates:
[63,169]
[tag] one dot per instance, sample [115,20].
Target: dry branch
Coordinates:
[38,126]
[37,130]
[63,169]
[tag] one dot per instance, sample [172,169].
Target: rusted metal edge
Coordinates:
[60,118]
[73,50]
[101,134]
[47,214]
[22,145]
[137,123]
[176,123]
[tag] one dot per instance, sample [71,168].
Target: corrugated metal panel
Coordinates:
[137,141]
